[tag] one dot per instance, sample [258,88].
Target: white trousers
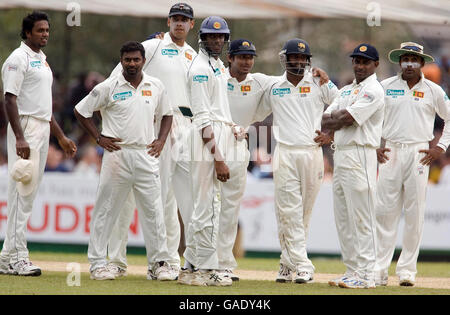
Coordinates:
[402,184]
[36,133]
[208,194]
[354,193]
[298,174]
[175,194]
[125,170]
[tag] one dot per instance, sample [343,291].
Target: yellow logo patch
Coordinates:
[246,44]
[305,89]
[355,91]
[363,48]
[217,25]
[146,93]
[418,94]
[246,88]
[188,56]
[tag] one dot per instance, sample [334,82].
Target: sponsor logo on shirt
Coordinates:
[281,92]
[188,56]
[391,92]
[230,87]
[12,68]
[346,93]
[200,78]
[246,88]
[146,93]
[331,84]
[418,94]
[35,64]
[169,52]
[305,89]
[122,96]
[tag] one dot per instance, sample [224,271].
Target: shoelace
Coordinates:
[215,277]
[285,271]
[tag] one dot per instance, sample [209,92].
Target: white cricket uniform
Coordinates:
[27,75]
[355,171]
[402,182]
[128,113]
[298,160]
[169,63]
[209,101]
[245,99]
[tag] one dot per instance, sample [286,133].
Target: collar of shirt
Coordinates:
[307,78]
[215,63]
[248,78]
[422,78]
[122,81]
[167,41]
[31,52]
[366,81]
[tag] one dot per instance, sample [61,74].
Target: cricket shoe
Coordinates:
[407,280]
[102,273]
[160,272]
[335,282]
[117,271]
[303,277]
[174,272]
[185,276]
[210,278]
[228,273]
[26,268]
[284,274]
[357,283]
[5,267]
[381,279]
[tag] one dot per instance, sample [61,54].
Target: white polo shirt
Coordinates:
[365,103]
[27,75]
[127,113]
[169,63]
[246,97]
[207,84]
[410,113]
[297,110]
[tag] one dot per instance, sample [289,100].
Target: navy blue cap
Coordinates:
[242,47]
[296,46]
[366,51]
[183,9]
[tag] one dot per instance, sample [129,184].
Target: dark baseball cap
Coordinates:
[242,47]
[182,9]
[366,51]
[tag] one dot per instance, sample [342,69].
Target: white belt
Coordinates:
[402,145]
[350,147]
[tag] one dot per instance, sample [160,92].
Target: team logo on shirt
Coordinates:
[35,64]
[200,78]
[230,87]
[188,56]
[169,52]
[281,92]
[146,93]
[355,91]
[305,89]
[418,94]
[246,88]
[122,96]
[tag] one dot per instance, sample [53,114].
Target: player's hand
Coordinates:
[156,147]
[109,144]
[322,138]
[317,72]
[23,149]
[239,133]
[431,155]
[68,147]
[222,171]
[381,155]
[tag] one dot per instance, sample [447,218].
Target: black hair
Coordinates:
[132,46]
[30,19]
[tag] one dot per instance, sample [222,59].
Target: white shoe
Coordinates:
[303,277]
[335,282]
[407,280]
[228,273]
[174,272]
[210,278]
[185,276]
[381,279]
[160,272]
[116,270]
[284,274]
[357,283]
[6,268]
[102,273]
[26,268]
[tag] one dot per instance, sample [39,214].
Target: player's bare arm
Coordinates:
[323,138]
[381,152]
[22,146]
[432,154]
[317,72]
[65,143]
[158,144]
[106,143]
[337,120]
[223,173]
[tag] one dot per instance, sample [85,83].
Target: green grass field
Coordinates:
[55,282]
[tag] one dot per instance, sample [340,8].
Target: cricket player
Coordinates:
[27,84]
[411,106]
[356,117]
[167,59]
[128,103]
[297,101]
[212,138]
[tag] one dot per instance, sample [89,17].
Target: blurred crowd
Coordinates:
[89,155]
